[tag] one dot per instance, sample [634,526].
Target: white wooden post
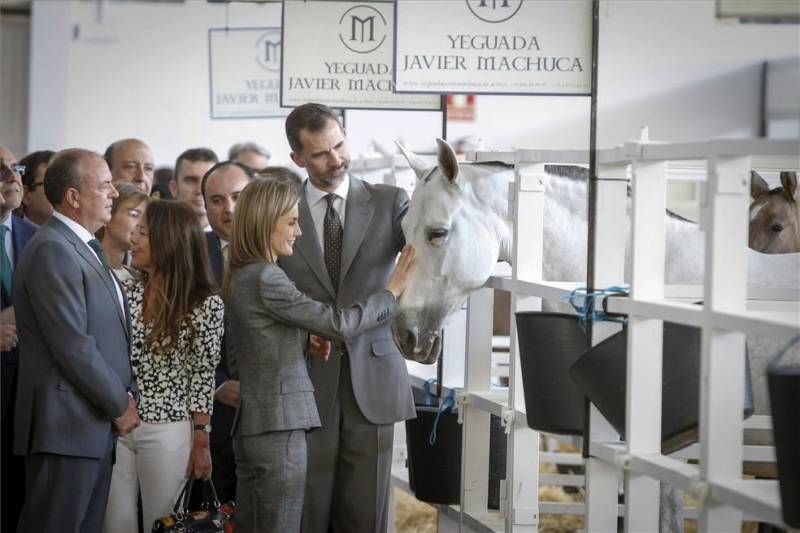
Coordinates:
[645,341]
[602,478]
[723,363]
[478,377]
[522,480]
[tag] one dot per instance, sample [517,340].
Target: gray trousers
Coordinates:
[271,475]
[349,469]
[65,494]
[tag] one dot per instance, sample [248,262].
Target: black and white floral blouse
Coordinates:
[175,383]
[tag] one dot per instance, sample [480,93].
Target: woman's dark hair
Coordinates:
[179,252]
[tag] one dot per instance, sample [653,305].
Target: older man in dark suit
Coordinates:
[14,235]
[351,238]
[76,389]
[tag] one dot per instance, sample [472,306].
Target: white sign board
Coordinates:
[494,46]
[340,54]
[244,72]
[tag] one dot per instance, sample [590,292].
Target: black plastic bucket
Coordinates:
[601,375]
[549,343]
[784,398]
[434,470]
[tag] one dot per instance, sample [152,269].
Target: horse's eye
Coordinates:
[777,228]
[437,236]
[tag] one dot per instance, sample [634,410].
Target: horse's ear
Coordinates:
[757,185]
[789,182]
[448,162]
[417,164]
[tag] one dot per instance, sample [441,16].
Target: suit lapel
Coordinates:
[357,218]
[83,250]
[215,256]
[308,245]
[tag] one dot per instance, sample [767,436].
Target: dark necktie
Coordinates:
[332,238]
[5,263]
[95,245]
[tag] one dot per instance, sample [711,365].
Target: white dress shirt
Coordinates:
[317,204]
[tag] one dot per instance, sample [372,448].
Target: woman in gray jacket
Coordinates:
[268,327]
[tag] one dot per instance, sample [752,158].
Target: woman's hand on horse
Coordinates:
[402,271]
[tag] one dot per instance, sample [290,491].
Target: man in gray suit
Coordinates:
[351,237]
[76,389]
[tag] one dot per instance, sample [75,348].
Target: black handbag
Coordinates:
[211,518]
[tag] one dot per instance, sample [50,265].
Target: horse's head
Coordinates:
[775,215]
[457,222]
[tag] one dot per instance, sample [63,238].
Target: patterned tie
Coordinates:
[95,245]
[5,263]
[332,237]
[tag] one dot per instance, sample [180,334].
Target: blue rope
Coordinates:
[449,401]
[428,393]
[587,312]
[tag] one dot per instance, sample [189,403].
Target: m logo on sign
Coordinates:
[362,29]
[268,51]
[494,10]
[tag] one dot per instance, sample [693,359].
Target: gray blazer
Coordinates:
[268,321]
[372,239]
[74,364]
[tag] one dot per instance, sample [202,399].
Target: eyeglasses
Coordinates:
[15,168]
[32,187]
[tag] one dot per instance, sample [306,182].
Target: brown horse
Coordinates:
[775,215]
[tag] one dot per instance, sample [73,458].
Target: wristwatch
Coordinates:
[203,427]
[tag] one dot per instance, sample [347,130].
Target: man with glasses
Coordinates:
[131,160]
[35,205]
[14,235]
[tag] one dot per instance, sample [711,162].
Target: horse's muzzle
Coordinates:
[423,348]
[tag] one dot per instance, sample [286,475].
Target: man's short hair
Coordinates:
[32,161]
[108,155]
[194,155]
[247,172]
[240,148]
[311,117]
[282,173]
[64,172]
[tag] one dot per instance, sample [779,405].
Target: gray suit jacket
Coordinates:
[268,321]
[372,238]
[74,364]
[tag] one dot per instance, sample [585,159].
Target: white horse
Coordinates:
[458,222]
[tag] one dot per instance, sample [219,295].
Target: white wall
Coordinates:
[14,60]
[142,70]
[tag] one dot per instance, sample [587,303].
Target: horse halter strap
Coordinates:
[332,238]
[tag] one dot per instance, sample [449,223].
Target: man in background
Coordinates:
[35,205]
[186,186]
[14,236]
[251,154]
[131,160]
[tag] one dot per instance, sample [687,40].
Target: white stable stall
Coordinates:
[725,498]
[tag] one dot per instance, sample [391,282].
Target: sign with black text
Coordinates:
[339,53]
[244,72]
[493,46]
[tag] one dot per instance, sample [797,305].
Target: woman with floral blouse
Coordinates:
[176,330]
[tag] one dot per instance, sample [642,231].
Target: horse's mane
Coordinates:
[493,164]
[572,172]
